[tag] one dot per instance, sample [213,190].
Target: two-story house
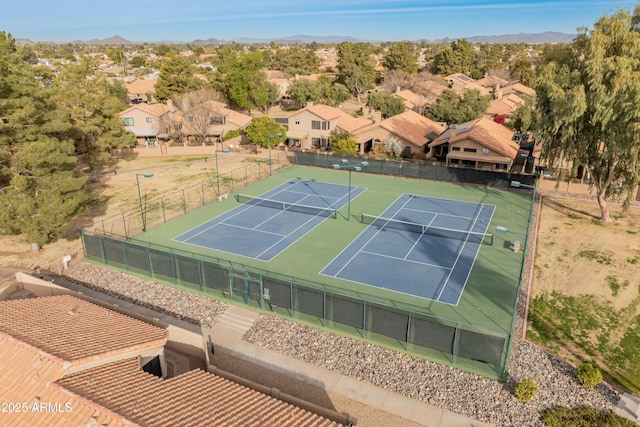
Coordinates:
[309,128]
[144,121]
[210,121]
[481,144]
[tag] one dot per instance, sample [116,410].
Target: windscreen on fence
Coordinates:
[161,264]
[432,334]
[215,276]
[92,246]
[308,301]
[481,347]
[137,257]
[187,269]
[276,292]
[348,312]
[113,251]
[386,322]
[422,169]
[408,328]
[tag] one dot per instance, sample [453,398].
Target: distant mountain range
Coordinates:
[546,37]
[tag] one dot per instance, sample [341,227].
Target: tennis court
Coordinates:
[422,246]
[264,226]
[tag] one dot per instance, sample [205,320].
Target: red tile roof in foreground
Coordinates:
[26,378]
[72,329]
[195,398]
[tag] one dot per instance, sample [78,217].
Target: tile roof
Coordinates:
[26,376]
[413,127]
[141,86]
[152,109]
[518,88]
[73,329]
[492,81]
[192,399]
[233,117]
[506,105]
[484,131]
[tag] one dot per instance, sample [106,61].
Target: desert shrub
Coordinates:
[525,390]
[582,417]
[588,375]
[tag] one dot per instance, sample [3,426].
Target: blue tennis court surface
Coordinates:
[263,227]
[422,246]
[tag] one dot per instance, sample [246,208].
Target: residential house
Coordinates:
[517,88]
[505,106]
[415,101]
[459,82]
[309,128]
[141,89]
[412,130]
[492,82]
[144,121]
[212,119]
[281,81]
[481,144]
[66,361]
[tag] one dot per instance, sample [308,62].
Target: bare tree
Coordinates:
[393,80]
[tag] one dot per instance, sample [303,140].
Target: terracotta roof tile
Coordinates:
[26,377]
[486,132]
[413,127]
[72,329]
[345,120]
[192,399]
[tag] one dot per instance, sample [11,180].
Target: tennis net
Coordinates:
[449,233]
[287,206]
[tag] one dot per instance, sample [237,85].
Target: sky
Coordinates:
[377,20]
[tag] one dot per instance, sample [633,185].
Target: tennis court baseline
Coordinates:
[422,246]
[264,226]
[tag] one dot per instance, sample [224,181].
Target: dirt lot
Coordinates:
[576,252]
[116,193]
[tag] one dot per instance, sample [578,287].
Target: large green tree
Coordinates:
[453,108]
[38,189]
[386,103]
[587,99]
[265,132]
[355,67]
[295,60]
[241,78]
[321,91]
[401,56]
[457,57]
[342,142]
[87,107]
[176,78]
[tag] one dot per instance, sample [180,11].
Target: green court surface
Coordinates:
[489,298]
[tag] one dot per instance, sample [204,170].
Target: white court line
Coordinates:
[458,257]
[251,229]
[439,213]
[405,260]
[419,238]
[219,222]
[362,247]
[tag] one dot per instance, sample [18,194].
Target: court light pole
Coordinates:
[278,134]
[344,164]
[144,175]
[217,174]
